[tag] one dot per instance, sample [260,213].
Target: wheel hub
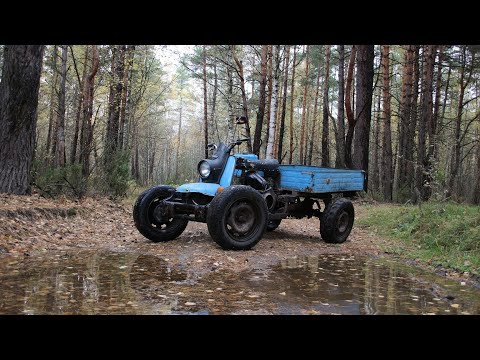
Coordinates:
[241,218]
[342,223]
[159,214]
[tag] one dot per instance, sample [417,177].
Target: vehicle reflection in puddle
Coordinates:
[88,282]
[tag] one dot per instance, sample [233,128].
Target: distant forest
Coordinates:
[100,119]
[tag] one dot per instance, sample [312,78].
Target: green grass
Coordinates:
[441,234]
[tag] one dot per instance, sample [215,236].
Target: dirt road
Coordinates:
[33,224]
[64,239]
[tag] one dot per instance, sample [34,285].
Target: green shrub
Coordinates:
[445,234]
[116,179]
[66,181]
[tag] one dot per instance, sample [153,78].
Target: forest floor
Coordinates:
[31,225]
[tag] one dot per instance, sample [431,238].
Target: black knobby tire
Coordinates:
[149,225]
[273,224]
[337,221]
[237,217]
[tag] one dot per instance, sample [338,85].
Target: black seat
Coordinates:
[265,165]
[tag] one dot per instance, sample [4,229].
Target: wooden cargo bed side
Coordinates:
[315,179]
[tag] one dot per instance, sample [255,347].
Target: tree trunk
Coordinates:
[349,109]
[456,158]
[73,153]
[152,163]
[214,103]
[284,106]
[111,104]
[413,125]
[49,154]
[178,136]
[304,106]
[394,166]
[83,125]
[205,112]
[87,128]
[22,66]
[116,89]
[59,160]
[387,173]
[253,77]
[292,93]
[278,110]
[230,107]
[244,96]
[325,132]
[476,193]
[303,161]
[375,171]
[440,126]
[315,107]
[136,162]
[261,100]
[405,108]
[130,105]
[125,93]
[273,106]
[340,140]
[269,91]
[432,144]
[424,162]
[363,110]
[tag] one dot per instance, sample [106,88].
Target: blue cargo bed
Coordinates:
[316,179]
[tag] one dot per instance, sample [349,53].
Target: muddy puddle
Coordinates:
[89,282]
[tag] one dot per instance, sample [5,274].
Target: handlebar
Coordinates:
[237,142]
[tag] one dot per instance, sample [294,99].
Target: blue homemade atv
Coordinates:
[240,196]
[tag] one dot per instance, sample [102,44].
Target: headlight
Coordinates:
[204,169]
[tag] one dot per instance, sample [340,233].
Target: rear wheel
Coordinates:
[337,221]
[150,218]
[237,217]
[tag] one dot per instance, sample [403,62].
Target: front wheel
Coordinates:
[237,217]
[149,218]
[337,221]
